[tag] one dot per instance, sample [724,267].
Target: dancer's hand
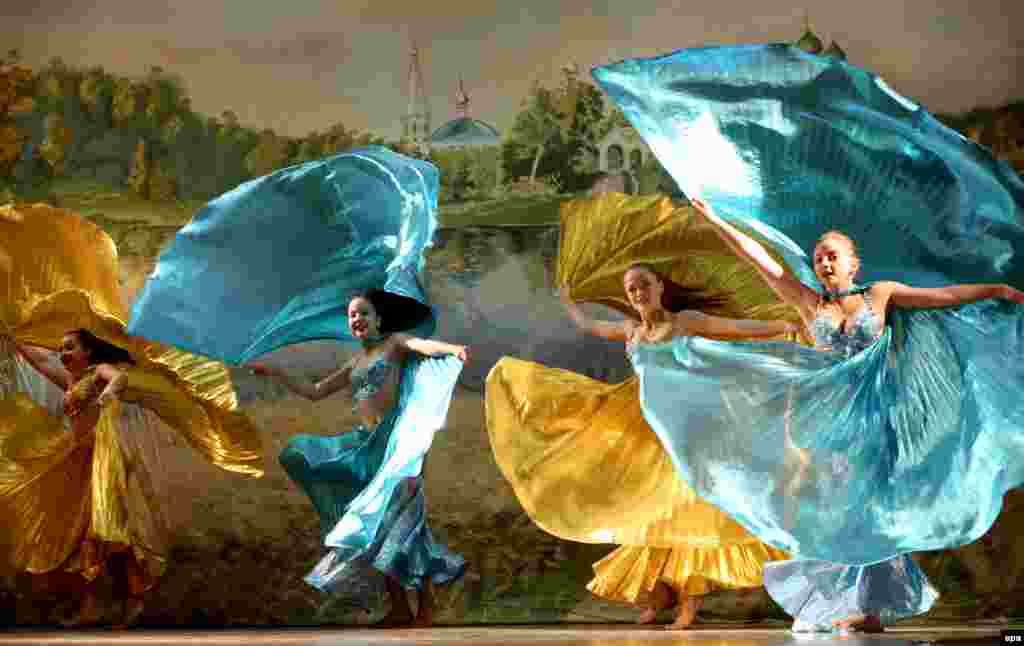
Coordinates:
[463,353]
[563,295]
[113,389]
[263,370]
[702,207]
[1011,294]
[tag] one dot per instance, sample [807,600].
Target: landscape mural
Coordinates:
[126,146]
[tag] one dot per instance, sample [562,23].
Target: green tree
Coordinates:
[538,125]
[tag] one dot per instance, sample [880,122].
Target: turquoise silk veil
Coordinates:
[909,444]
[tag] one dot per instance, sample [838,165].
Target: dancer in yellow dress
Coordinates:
[582,460]
[76,489]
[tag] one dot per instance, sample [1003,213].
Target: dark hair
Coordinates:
[676,298]
[100,351]
[397,313]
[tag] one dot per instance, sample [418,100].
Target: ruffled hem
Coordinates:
[630,573]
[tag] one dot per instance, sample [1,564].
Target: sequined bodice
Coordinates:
[367,381]
[82,394]
[861,330]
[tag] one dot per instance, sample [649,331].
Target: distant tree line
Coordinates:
[67,122]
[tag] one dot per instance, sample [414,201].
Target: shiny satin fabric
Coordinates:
[71,500]
[807,143]
[908,445]
[275,261]
[75,498]
[367,487]
[602,236]
[582,460]
[816,593]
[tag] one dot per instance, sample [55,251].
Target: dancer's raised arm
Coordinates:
[431,347]
[614,330]
[693,322]
[781,281]
[40,360]
[331,384]
[932,297]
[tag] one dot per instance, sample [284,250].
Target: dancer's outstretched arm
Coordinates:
[694,323]
[314,392]
[782,282]
[614,330]
[40,360]
[431,347]
[929,297]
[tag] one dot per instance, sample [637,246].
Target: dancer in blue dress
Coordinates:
[366,484]
[284,259]
[901,431]
[846,320]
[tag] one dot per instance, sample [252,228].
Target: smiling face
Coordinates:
[73,355]
[835,262]
[362,319]
[643,289]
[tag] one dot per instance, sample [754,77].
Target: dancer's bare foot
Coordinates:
[860,623]
[88,614]
[401,613]
[425,608]
[397,618]
[133,607]
[688,607]
[662,597]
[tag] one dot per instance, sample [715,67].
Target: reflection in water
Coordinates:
[494,290]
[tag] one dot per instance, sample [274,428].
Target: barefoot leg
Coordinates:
[134,584]
[688,607]
[662,597]
[864,623]
[425,609]
[401,613]
[89,612]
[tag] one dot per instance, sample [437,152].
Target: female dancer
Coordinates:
[846,319]
[366,484]
[582,460]
[79,502]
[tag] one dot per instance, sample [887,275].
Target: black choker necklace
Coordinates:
[832,296]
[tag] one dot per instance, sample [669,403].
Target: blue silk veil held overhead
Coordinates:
[855,458]
[275,261]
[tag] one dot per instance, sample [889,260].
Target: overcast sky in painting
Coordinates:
[301,65]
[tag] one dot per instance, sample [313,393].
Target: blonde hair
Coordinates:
[845,239]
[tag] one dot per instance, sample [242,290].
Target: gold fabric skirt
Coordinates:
[71,501]
[586,467]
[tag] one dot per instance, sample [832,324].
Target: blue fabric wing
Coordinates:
[908,445]
[807,143]
[276,260]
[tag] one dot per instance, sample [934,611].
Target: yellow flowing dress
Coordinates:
[582,460]
[69,501]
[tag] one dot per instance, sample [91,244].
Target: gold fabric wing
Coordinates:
[601,237]
[63,276]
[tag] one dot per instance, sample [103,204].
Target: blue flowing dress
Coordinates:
[871,447]
[367,486]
